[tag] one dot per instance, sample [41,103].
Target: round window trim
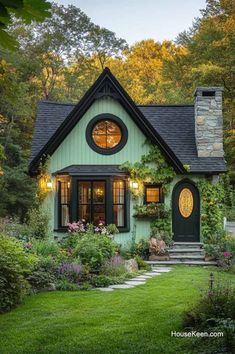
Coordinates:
[112,118]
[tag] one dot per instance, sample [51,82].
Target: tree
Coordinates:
[210,62]
[27,10]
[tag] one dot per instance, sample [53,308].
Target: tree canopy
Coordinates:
[59,58]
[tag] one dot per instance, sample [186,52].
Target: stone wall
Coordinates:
[209,121]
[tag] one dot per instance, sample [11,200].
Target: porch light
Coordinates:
[134,185]
[49,185]
[46,184]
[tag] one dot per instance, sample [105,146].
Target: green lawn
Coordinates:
[129,321]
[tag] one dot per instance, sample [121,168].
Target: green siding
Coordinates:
[75,150]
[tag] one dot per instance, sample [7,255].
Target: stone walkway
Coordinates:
[139,280]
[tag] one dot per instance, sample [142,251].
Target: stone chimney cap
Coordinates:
[201,89]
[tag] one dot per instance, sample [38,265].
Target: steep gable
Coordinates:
[105,86]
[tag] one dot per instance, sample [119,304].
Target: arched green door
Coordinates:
[186,212]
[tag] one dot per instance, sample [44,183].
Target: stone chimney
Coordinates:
[209,121]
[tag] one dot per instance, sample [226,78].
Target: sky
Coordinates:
[135,20]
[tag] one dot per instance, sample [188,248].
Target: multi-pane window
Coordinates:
[106,134]
[64,203]
[153,194]
[94,201]
[119,203]
[91,201]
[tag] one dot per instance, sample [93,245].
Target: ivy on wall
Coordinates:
[152,168]
[211,208]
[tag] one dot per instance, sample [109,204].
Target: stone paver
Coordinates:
[104,289]
[121,286]
[152,274]
[139,280]
[133,282]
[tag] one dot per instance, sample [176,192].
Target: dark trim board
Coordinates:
[105,85]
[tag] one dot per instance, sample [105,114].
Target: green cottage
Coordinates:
[112,161]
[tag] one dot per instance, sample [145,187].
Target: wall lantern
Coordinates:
[134,185]
[49,185]
[45,184]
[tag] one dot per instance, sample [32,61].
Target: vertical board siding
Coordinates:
[74,150]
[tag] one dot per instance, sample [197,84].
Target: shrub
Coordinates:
[45,248]
[95,250]
[222,248]
[66,285]
[100,281]
[13,228]
[142,264]
[114,267]
[38,223]
[40,280]
[162,235]
[71,271]
[218,303]
[142,249]
[215,312]
[14,263]
[44,274]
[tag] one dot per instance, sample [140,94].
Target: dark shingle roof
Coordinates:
[174,123]
[104,170]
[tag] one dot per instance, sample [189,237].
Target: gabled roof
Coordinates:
[170,126]
[105,85]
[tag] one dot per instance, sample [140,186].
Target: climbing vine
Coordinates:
[152,168]
[211,208]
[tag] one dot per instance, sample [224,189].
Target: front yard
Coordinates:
[137,320]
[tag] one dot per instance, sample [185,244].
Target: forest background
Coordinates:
[59,54]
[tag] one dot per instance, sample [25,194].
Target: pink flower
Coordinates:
[226,254]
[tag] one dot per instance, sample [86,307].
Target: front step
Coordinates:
[178,262]
[185,258]
[185,252]
[190,253]
[194,245]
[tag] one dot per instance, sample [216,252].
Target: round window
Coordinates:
[106,134]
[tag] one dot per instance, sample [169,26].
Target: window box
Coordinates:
[151,211]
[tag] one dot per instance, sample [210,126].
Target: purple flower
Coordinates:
[70,268]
